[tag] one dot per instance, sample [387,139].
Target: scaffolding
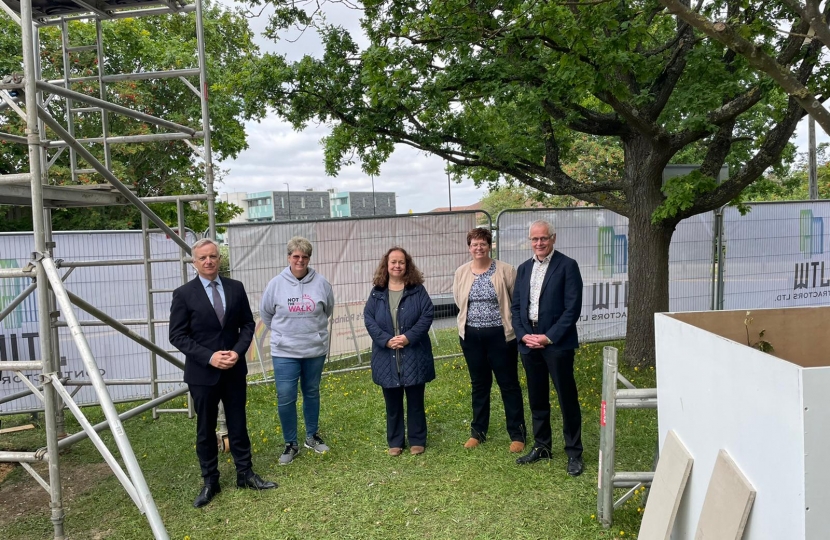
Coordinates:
[28,96]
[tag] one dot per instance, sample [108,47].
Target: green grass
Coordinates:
[356,490]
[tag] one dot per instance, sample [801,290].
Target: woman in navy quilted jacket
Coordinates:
[398,316]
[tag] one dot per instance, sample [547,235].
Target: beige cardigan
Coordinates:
[503,280]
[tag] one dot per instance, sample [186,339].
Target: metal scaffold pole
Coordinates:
[105,401]
[44,328]
[208,154]
[87,154]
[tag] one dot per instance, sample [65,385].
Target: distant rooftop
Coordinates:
[476,206]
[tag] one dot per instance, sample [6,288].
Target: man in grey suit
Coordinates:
[212,324]
[547,302]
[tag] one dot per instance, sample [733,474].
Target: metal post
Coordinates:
[354,335]
[35,168]
[70,119]
[449,188]
[288,196]
[374,200]
[721,260]
[200,44]
[605,495]
[54,362]
[151,327]
[813,166]
[183,258]
[715,234]
[102,92]
[105,401]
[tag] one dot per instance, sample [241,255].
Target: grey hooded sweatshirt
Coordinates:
[297,311]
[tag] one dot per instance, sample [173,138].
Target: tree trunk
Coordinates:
[648,262]
[648,271]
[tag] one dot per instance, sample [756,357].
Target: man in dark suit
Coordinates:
[547,302]
[212,324]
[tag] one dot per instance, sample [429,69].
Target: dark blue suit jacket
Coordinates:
[560,303]
[196,332]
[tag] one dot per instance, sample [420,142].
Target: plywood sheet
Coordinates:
[727,504]
[667,488]
[797,334]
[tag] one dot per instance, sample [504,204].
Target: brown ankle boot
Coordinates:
[472,442]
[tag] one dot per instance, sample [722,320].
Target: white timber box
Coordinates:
[770,412]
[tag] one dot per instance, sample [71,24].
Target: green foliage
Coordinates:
[681,193]
[153,168]
[224,261]
[585,99]
[355,490]
[761,344]
[553,96]
[792,184]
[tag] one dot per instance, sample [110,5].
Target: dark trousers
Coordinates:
[488,354]
[416,417]
[232,391]
[560,366]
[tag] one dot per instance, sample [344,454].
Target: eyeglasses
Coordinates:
[481,245]
[539,239]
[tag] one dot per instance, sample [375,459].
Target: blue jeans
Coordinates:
[287,372]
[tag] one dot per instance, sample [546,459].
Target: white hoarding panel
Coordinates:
[777,256]
[120,291]
[598,240]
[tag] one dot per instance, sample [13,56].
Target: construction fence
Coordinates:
[774,256]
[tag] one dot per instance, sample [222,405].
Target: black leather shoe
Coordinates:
[533,456]
[575,466]
[254,481]
[209,491]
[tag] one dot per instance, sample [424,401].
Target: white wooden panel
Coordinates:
[670,479]
[716,393]
[727,504]
[817,452]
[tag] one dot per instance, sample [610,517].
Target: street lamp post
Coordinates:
[449,188]
[288,196]
[374,200]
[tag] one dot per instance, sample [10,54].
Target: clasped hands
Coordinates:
[224,359]
[397,342]
[535,341]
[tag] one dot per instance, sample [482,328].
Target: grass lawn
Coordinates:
[356,490]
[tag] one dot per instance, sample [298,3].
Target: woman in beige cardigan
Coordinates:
[483,289]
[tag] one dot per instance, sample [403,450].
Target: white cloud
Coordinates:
[279,154]
[801,136]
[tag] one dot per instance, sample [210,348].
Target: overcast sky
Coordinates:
[277,154]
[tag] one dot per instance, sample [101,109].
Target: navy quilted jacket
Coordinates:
[414,363]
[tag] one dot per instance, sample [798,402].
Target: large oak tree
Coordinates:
[513,89]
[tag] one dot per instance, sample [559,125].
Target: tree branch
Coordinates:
[811,14]
[757,58]
[591,122]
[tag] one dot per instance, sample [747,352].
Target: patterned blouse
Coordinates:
[483,309]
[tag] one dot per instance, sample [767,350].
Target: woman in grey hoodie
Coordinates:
[296,306]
